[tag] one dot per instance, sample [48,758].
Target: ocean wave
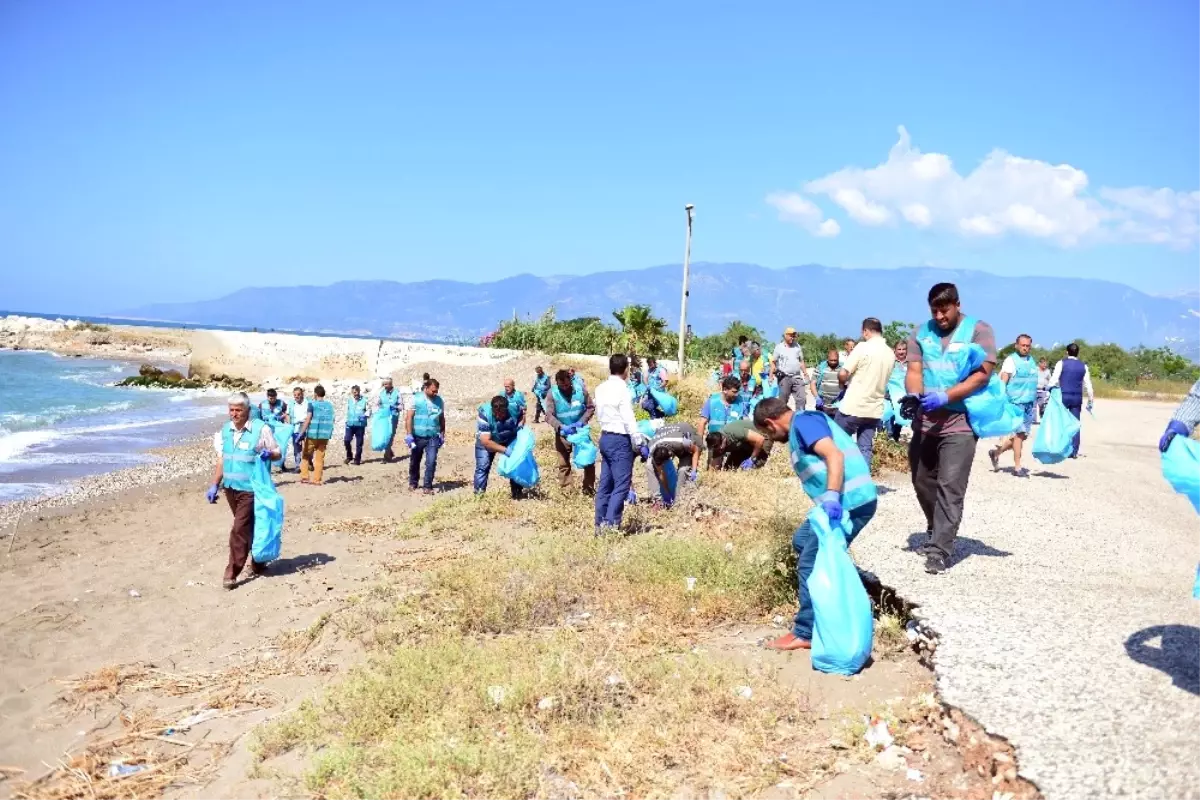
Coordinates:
[16,421]
[22,491]
[51,459]
[13,445]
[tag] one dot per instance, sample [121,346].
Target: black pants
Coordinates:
[354,432]
[941,469]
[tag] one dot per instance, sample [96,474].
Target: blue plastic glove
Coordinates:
[211,494]
[265,455]
[748,464]
[644,452]
[631,498]
[1174,428]
[932,401]
[568,430]
[820,403]
[410,441]
[508,451]
[693,475]
[831,502]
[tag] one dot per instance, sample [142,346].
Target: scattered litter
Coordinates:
[838,744]
[892,757]
[134,593]
[88,591]
[910,631]
[203,715]
[614,679]
[915,775]
[118,770]
[691,584]
[497,694]
[745,692]
[729,548]
[877,734]
[998,795]
[777,619]
[783,757]
[546,703]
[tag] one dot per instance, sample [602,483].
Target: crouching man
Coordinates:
[495,430]
[239,442]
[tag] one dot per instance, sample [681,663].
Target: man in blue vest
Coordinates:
[719,410]
[569,409]
[273,408]
[239,442]
[655,378]
[1020,375]
[1071,376]
[356,424]
[837,478]
[541,385]
[1184,420]
[317,430]
[495,430]
[297,413]
[943,443]
[425,426]
[516,401]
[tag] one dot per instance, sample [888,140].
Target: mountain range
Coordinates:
[811,297]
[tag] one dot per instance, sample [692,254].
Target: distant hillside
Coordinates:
[812,298]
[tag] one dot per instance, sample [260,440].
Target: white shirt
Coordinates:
[1087,378]
[266,439]
[614,409]
[870,365]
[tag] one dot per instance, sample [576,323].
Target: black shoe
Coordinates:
[935,563]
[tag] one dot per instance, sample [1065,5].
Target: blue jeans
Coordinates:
[483,468]
[616,476]
[651,406]
[427,446]
[354,433]
[805,545]
[298,447]
[1076,410]
[862,429]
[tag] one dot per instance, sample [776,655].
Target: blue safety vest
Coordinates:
[321,427]
[267,412]
[857,487]
[541,385]
[426,416]
[516,403]
[656,378]
[501,432]
[389,399]
[1022,386]
[356,412]
[570,411]
[577,382]
[720,415]
[939,370]
[237,461]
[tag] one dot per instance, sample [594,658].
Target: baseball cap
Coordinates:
[789,330]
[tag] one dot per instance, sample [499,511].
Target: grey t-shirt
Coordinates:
[677,437]
[787,359]
[944,422]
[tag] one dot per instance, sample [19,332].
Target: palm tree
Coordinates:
[641,331]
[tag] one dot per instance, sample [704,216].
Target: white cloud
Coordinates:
[798,209]
[1003,195]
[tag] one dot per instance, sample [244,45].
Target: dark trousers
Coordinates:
[355,433]
[736,455]
[297,447]
[941,469]
[793,386]
[426,446]
[241,535]
[388,455]
[616,476]
[563,448]
[483,469]
[805,543]
[537,414]
[863,431]
[1076,409]
[651,406]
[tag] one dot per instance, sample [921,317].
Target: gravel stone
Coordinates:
[1065,622]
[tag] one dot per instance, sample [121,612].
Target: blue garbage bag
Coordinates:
[1053,442]
[1181,468]
[583,451]
[667,404]
[770,389]
[647,428]
[843,627]
[381,429]
[989,410]
[283,437]
[668,490]
[268,515]
[520,465]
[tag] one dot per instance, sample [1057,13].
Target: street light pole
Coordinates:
[687,257]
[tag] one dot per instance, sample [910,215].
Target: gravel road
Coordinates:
[1066,619]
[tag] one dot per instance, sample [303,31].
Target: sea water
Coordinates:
[62,418]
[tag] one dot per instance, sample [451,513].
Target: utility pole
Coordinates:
[687,257]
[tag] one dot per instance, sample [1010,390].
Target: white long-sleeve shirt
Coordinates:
[1087,378]
[614,409]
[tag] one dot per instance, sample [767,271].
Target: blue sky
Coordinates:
[175,151]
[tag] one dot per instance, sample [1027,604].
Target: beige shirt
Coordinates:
[870,365]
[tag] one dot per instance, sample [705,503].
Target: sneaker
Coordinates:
[994,457]
[935,563]
[1021,472]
